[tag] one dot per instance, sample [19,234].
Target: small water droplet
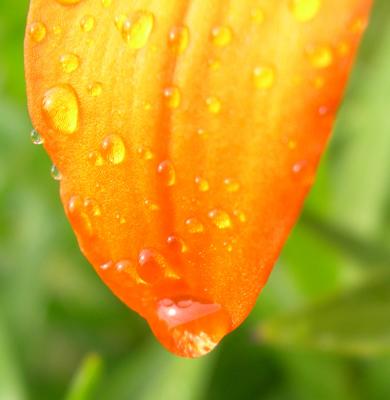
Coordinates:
[214,104]
[220,219]
[221,36]
[240,215]
[55,173]
[178,39]
[87,23]
[137,30]
[193,226]
[57,30]
[95,158]
[152,266]
[305,10]
[37,31]
[92,207]
[95,89]
[172,97]
[320,56]
[264,77]
[202,184]
[78,216]
[167,172]
[176,244]
[113,149]
[231,185]
[61,109]
[151,206]
[69,62]
[145,153]
[36,138]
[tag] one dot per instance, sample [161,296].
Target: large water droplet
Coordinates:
[69,62]
[190,327]
[37,31]
[61,109]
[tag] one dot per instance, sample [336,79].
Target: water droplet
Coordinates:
[172,97]
[106,3]
[106,266]
[57,30]
[191,327]
[145,153]
[231,185]
[61,109]
[55,173]
[152,266]
[78,217]
[95,89]
[69,62]
[36,138]
[151,206]
[240,215]
[113,149]
[176,244]
[221,36]
[320,56]
[202,184]
[87,23]
[92,207]
[95,158]
[305,10]
[213,104]
[37,31]
[220,219]
[193,226]
[264,77]
[178,39]
[167,172]
[136,31]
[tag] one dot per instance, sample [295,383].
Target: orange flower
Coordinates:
[187,134]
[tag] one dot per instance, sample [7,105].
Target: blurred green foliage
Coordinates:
[320,330]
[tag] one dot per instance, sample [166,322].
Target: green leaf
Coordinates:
[86,380]
[355,323]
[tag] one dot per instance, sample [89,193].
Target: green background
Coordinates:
[320,330]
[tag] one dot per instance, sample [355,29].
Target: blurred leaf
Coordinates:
[11,386]
[354,323]
[86,380]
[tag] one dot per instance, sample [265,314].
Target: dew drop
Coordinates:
[320,56]
[136,31]
[214,104]
[57,30]
[87,23]
[240,215]
[37,31]
[55,173]
[69,62]
[167,172]
[92,207]
[151,206]
[264,77]
[193,226]
[36,138]
[61,109]
[191,327]
[176,244]
[305,10]
[231,185]
[152,266]
[77,215]
[221,36]
[95,89]
[202,184]
[145,153]
[95,158]
[220,219]
[178,39]
[172,97]
[113,149]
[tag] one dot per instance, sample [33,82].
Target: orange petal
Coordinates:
[187,134]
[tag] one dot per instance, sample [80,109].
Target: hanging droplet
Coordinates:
[220,219]
[172,97]
[69,62]
[113,149]
[87,23]
[36,138]
[167,172]
[178,39]
[190,327]
[37,31]
[55,173]
[221,36]
[61,109]
[305,10]
[264,77]
[136,31]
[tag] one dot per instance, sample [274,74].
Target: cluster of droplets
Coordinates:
[192,326]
